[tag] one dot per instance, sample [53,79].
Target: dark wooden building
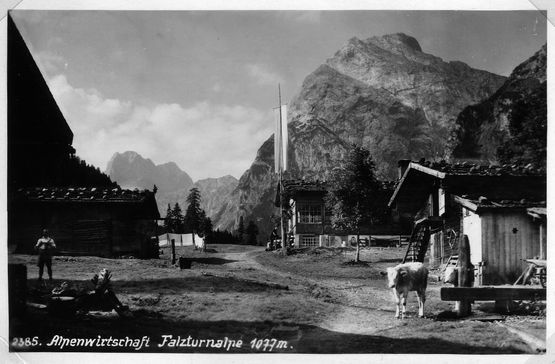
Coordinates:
[39,138]
[489,204]
[86,221]
[310,221]
[42,189]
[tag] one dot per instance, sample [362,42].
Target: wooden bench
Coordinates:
[492,293]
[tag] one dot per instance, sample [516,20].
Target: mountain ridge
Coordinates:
[383,93]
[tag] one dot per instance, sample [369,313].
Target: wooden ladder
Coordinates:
[453,261]
[418,244]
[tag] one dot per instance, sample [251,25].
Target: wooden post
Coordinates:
[173,251]
[466,276]
[284,235]
[441,247]
[542,242]
[17,287]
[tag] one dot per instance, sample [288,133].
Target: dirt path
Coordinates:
[351,314]
[360,306]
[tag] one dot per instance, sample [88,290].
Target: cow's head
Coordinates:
[394,275]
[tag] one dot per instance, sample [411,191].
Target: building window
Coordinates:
[310,214]
[309,240]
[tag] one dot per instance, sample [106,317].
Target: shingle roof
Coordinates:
[537,212]
[298,185]
[83,194]
[466,168]
[511,182]
[483,203]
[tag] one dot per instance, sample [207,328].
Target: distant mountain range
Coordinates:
[131,170]
[388,95]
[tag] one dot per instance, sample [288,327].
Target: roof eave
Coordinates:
[466,203]
[417,167]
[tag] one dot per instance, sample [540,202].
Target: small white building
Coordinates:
[502,234]
[180,240]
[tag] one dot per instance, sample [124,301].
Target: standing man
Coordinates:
[45,246]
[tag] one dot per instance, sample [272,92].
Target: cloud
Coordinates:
[263,75]
[205,139]
[217,87]
[307,16]
[50,63]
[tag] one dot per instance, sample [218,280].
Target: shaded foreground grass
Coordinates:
[301,338]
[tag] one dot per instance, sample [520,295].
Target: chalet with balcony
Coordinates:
[309,221]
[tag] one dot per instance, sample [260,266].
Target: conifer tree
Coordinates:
[168,220]
[252,232]
[193,213]
[241,230]
[352,196]
[177,219]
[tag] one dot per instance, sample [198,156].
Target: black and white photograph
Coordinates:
[276,181]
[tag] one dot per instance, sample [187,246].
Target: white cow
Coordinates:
[451,275]
[199,244]
[404,278]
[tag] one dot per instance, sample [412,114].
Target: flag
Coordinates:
[284,137]
[280,139]
[277,140]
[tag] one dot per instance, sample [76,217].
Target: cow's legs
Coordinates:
[404,302]
[421,299]
[397,302]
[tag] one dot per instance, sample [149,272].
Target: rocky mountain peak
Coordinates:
[394,64]
[396,42]
[131,170]
[170,167]
[130,156]
[122,162]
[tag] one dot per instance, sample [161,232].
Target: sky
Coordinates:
[198,87]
